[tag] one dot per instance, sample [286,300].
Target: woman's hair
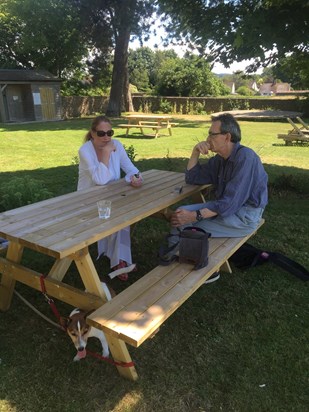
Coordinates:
[228,125]
[97,120]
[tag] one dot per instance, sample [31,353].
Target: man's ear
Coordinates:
[228,137]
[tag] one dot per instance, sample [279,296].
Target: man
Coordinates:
[239,179]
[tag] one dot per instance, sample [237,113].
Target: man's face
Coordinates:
[216,140]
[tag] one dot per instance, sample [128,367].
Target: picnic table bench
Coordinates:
[136,313]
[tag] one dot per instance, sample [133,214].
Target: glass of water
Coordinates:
[104,208]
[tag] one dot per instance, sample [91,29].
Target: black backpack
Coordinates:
[248,256]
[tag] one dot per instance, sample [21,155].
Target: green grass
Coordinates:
[240,344]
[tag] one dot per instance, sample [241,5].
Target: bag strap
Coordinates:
[289,265]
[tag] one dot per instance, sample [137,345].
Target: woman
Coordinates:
[101,159]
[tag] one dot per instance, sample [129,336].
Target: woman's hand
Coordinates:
[182,217]
[136,180]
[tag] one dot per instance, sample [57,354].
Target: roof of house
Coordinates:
[27,76]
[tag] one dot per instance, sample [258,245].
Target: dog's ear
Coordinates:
[64,322]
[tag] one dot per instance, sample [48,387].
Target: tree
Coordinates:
[188,76]
[293,70]
[41,34]
[234,30]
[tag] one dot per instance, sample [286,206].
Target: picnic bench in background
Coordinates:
[297,134]
[136,313]
[145,121]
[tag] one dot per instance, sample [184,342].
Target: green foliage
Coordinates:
[20,191]
[44,35]
[188,76]
[245,91]
[165,106]
[130,152]
[236,30]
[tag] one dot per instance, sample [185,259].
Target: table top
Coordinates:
[148,116]
[66,224]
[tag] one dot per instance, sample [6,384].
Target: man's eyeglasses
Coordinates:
[210,134]
[101,133]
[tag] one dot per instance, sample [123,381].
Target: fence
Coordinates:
[77,106]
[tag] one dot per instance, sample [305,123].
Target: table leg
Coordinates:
[89,273]
[92,283]
[7,283]
[60,268]
[120,353]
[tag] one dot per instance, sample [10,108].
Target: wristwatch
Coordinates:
[199,216]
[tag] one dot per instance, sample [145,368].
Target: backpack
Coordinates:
[248,256]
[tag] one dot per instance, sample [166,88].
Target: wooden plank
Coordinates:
[7,282]
[54,288]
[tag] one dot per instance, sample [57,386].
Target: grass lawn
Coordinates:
[239,344]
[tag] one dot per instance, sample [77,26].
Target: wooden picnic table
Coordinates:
[145,121]
[65,226]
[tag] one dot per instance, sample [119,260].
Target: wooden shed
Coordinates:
[29,95]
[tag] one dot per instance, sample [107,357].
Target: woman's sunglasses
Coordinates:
[101,133]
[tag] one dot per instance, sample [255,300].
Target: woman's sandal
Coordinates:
[124,276]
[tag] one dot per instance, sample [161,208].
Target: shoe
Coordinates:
[122,264]
[212,278]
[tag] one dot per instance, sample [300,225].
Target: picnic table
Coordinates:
[298,134]
[145,121]
[65,226]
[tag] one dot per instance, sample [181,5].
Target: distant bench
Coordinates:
[136,313]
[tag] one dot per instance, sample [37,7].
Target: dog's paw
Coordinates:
[105,354]
[76,358]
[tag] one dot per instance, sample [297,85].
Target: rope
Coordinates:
[36,311]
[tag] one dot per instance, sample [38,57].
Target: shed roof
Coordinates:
[27,76]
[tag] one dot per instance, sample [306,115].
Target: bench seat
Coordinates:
[137,312]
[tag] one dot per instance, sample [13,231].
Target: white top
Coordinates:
[92,172]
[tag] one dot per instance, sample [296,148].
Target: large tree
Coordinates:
[41,34]
[233,30]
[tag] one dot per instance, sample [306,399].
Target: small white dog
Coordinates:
[79,331]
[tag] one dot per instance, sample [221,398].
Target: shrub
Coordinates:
[20,191]
[245,91]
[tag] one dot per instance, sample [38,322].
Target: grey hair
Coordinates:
[229,125]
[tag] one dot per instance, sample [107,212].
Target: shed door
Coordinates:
[48,103]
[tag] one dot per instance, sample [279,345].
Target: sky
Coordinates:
[218,68]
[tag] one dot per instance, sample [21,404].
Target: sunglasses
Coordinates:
[101,133]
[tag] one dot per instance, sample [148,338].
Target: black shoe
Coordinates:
[212,278]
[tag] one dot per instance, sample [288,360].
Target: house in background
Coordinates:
[29,95]
[230,86]
[268,89]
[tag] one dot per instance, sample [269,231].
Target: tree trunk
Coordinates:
[126,10]
[127,97]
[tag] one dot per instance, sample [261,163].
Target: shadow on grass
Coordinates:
[231,346]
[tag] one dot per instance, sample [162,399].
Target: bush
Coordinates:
[20,191]
[245,91]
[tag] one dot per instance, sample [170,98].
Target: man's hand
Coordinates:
[182,217]
[202,148]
